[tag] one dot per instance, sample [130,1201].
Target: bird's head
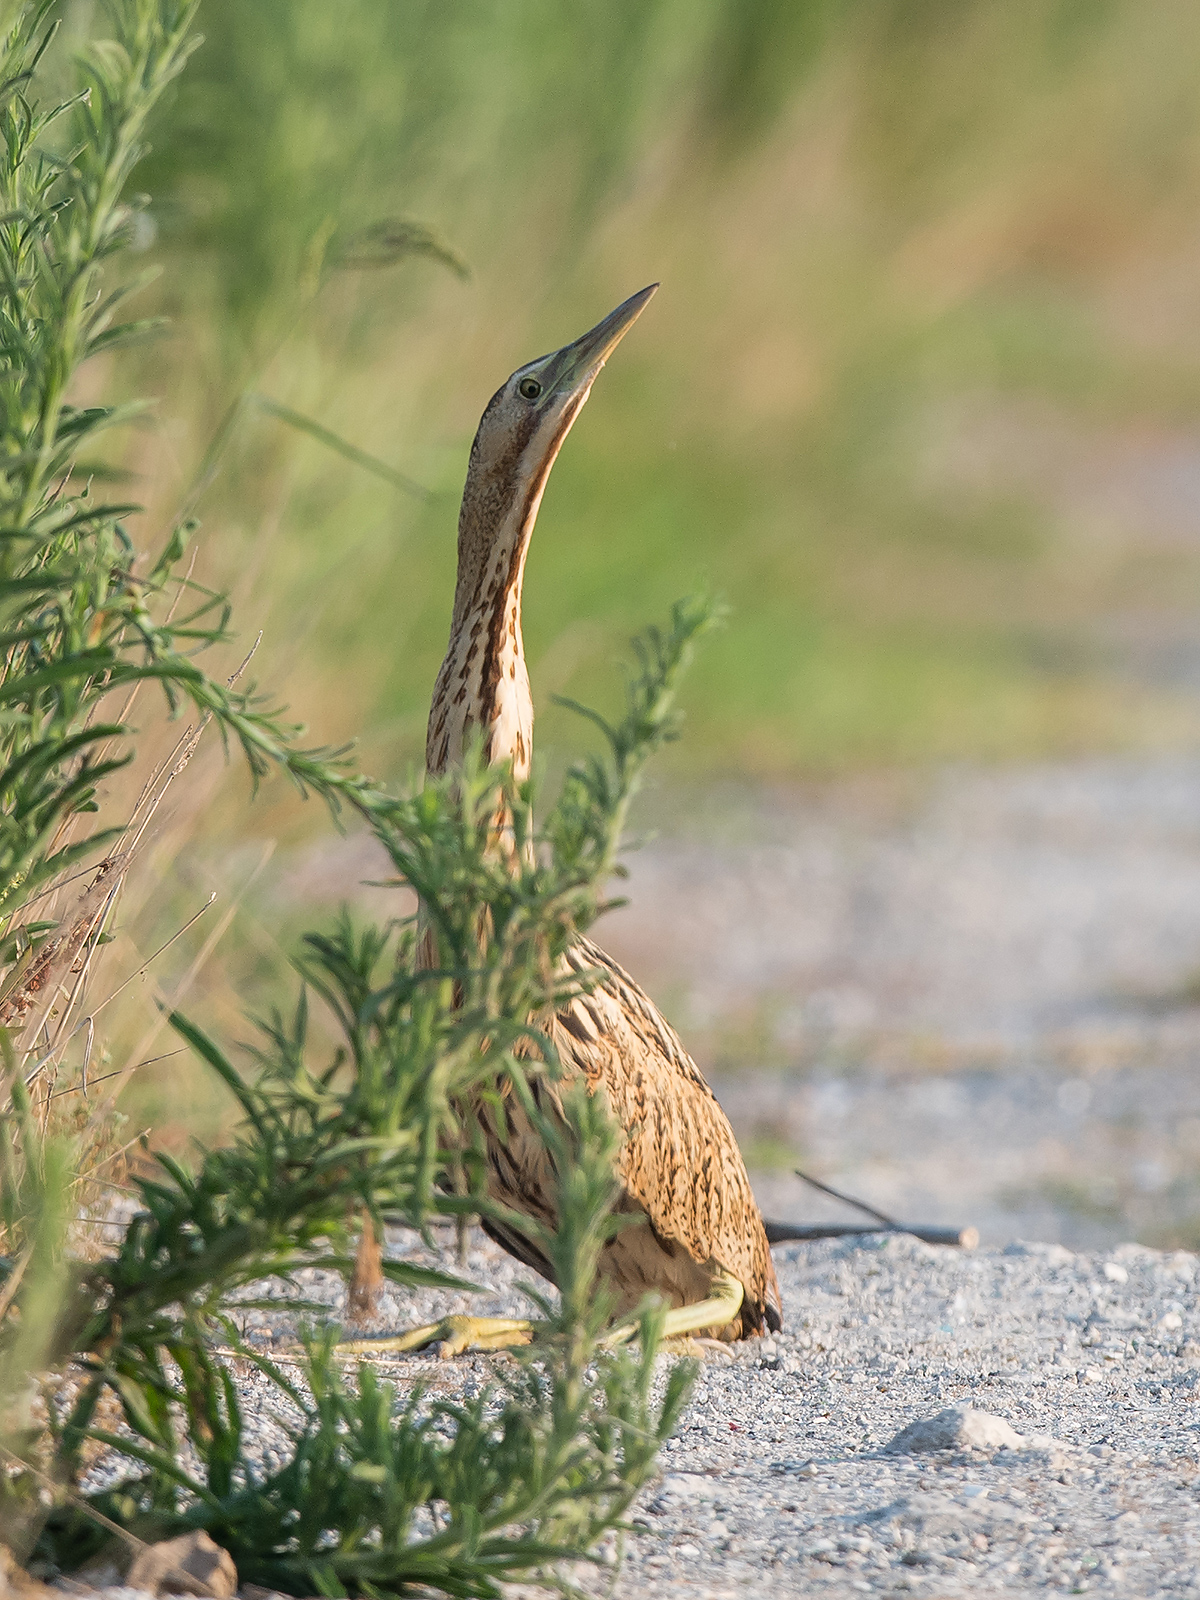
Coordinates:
[483,682]
[526,421]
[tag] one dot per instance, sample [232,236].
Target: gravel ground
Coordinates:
[781,1480]
[781,1475]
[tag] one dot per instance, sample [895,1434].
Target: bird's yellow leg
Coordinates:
[720,1308]
[458,1335]
[455,1335]
[722,1305]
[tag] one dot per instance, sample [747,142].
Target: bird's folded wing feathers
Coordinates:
[680,1159]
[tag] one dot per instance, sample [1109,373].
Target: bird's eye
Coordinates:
[529,388]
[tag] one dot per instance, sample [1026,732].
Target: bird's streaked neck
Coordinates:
[483,682]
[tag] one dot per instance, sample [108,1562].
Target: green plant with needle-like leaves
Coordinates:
[86,618]
[539,1466]
[532,1472]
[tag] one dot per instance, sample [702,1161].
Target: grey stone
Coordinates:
[956,1428]
[678,1487]
[192,1564]
[15,1582]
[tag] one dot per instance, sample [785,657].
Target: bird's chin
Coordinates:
[562,414]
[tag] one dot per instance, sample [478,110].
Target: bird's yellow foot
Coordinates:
[682,1323]
[698,1349]
[455,1336]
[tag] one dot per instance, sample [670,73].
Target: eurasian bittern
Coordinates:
[703,1248]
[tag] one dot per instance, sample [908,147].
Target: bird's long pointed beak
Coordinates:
[577,364]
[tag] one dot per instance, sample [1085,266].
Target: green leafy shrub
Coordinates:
[86,618]
[535,1469]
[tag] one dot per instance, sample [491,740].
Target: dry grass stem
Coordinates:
[182,988]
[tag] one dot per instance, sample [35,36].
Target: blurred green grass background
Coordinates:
[918,397]
[885,231]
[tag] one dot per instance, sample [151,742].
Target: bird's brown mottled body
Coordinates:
[680,1165]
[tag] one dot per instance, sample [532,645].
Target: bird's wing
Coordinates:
[680,1160]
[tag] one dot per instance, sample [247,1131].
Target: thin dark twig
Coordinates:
[931,1233]
[178,934]
[848,1199]
[803,1233]
[76,1088]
